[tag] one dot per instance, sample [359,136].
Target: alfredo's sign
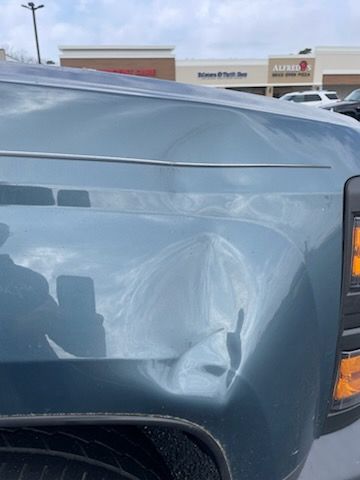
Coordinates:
[291,70]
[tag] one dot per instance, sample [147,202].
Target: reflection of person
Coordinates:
[34,326]
[25,309]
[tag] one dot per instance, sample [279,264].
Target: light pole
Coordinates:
[31,6]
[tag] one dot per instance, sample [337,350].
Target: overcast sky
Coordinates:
[198,28]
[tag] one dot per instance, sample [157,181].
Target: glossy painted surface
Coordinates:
[210,295]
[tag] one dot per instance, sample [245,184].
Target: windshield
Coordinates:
[354,96]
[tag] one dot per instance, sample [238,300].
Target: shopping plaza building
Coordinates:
[332,68]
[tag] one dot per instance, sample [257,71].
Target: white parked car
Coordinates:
[314,98]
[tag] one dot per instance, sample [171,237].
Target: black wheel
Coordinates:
[84,453]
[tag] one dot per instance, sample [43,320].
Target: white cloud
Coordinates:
[205,28]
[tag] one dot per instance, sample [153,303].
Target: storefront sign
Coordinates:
[221,75]
[288,70]
[142,72]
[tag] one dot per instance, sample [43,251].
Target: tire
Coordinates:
[83,453]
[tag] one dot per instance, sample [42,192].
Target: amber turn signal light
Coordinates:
[347,389]
[355,260]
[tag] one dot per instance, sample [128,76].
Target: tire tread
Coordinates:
[84,453]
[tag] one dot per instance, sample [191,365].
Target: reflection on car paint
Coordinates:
[34,326]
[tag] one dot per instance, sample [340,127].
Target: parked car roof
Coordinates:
[309,92]
[86,79]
